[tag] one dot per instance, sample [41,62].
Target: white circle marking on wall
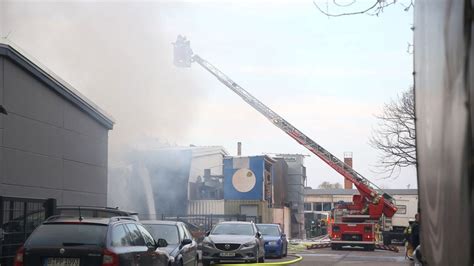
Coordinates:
[244,180]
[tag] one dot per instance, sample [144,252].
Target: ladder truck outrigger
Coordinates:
[351,224]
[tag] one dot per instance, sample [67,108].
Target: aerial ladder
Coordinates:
[366,209]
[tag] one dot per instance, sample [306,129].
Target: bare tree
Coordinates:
[327,185]
[372,9]
[395,135]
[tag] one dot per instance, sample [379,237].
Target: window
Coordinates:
[58,234]
[307,207]
[120,237]
[269,230]
[318,206]
[165,231]
[187,233]
[233,229]
[402,209]
[327,206]
[146,235]
[137,239]
[181,233]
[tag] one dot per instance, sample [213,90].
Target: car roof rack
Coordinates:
[55,217]
[118,218]
[86,207]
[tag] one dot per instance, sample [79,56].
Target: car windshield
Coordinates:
[233,229]
[167,232]
[68,235]
[268,230]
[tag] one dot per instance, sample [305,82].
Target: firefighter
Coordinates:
[412,236]
[415,232]
[408,240]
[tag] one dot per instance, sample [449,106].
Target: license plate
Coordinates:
[227,254]
[62,262]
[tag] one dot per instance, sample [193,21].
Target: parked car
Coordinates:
[276,243]
[75,241]
[233,242]
[181,245]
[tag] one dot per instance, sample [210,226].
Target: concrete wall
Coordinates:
[209,158]
[282,216]
[48,147]
[233,207]
[196,207]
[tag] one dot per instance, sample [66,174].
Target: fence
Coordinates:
[198,224]
[19,217]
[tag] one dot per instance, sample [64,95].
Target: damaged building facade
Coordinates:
[205,185]
[157,182]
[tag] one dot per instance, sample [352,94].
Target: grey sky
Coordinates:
[327,76]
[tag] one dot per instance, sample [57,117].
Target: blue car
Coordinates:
[276,244]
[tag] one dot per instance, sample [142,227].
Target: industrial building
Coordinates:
[261,188]
[53,140]
[295,183]
[247,189]
[205,185]
[53,147]
[159,181]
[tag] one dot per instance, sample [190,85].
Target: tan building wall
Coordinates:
[282,216]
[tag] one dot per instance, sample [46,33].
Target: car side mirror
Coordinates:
[258,235]
[186,242]
[152,247]
[161,243]
[208,233]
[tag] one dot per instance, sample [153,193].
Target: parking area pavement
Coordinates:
[327,256]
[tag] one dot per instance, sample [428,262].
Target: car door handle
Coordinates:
[137,256]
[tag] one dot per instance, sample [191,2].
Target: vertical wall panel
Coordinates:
[36,142]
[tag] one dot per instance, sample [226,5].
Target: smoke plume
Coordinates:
[118,55]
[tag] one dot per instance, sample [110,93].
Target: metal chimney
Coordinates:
[348,161]
[239,148]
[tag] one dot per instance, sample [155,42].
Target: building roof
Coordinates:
[341,191]
[54,82]
[265,157]
[197,151]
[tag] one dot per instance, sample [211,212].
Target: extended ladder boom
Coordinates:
[184,57]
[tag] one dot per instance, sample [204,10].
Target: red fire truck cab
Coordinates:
[346,229]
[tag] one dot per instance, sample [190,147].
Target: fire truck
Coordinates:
[352,223]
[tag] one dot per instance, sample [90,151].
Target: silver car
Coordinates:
[233,242]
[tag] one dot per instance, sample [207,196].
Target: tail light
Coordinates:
[109,258]
[19,257]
